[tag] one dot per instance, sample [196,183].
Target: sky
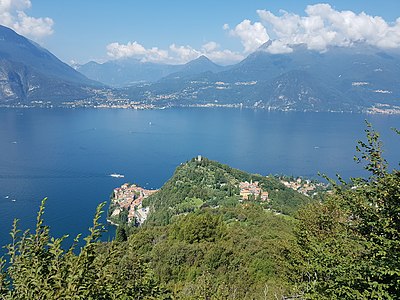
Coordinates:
[177,31]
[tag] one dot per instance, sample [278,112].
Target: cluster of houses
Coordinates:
[252,190]
[303,186]
[130,197]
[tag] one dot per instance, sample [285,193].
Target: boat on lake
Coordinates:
[115,175]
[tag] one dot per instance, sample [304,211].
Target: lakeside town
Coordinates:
[127,200]
[129,197]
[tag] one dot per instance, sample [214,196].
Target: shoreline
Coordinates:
[367,111]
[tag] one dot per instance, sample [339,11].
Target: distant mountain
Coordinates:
[197,66]
[29,72]
[130,72]
[341,79]
[126,72]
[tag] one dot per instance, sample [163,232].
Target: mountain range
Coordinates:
[340,79]
[358,78]
[130,71]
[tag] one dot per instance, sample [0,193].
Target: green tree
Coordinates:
[120,234]
[39,268]
[350,245]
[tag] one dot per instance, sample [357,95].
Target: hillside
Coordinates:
[214,231]
[205,183]
[219,253]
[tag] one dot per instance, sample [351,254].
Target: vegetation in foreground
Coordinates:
[39,268]
[350,244]
[344,247]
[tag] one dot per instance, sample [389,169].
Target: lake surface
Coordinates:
[67,155]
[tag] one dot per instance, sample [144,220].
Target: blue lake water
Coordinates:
[67,155]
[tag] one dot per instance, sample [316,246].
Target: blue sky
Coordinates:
[176,31]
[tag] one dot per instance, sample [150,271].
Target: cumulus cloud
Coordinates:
[324,26]
[212,51]
[251,35]
[183,53]
[278,47]
[12,14]
[117,50]
[321,26]
[175,54]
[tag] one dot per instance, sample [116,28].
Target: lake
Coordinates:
[67,155]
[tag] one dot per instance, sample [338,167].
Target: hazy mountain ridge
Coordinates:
[126,72]
[340,79]
[355,79]
[130,71]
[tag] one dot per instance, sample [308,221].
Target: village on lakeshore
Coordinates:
[129,197]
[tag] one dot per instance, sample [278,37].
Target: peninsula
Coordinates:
[202,183]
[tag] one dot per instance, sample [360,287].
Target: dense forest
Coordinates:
[202,242]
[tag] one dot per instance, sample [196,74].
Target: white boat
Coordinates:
[115,175]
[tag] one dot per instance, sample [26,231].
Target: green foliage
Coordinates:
[38,268]
[371,153]
[120,234]
[350,245]
[189,205]
[220,253]
[329,250]
[198,227]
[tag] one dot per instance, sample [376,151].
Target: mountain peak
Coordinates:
[202,59]
[202,64]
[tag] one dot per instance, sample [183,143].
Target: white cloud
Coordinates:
[252,36]
[324,26]
[12,14]
[183,53]
[136,50]
[175,54]
[278,47]
[117,50]
[210,46]
[212,51]
[321,27]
